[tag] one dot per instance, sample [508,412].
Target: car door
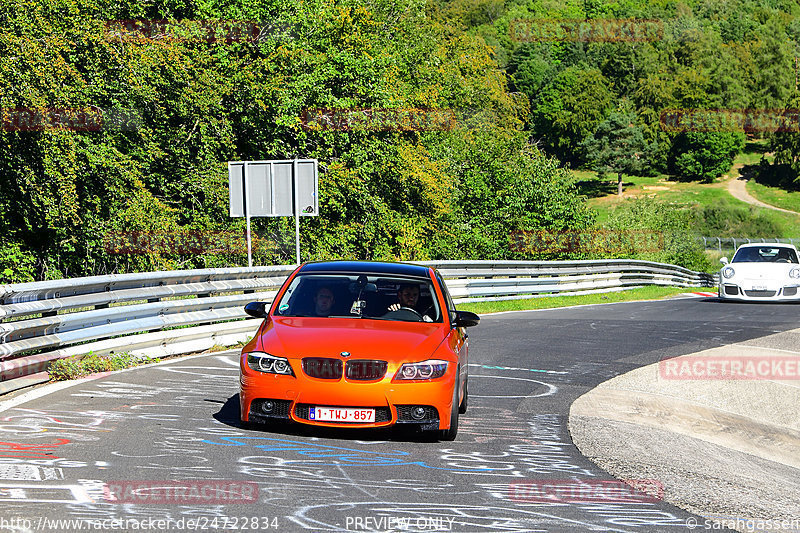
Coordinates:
[459,336]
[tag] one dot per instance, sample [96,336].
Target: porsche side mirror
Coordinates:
[724,260]
[256,309]
[466,319]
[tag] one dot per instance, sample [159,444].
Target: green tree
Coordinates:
[786,145]
[570,108]
[698,155]
[617,146]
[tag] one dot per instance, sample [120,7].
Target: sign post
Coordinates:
[274,189]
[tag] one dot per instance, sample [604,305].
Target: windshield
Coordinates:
[765,254]
[354,295]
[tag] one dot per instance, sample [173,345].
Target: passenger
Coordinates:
[323,302]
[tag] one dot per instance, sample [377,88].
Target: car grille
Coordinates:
[790,291]
[322,368]
[382,414]
[760,294]
[365,370]
[732,290]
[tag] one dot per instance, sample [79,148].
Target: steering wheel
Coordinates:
[783,260]
[404,313]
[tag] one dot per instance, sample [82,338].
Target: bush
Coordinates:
[726,220]
[16,265]
[679,243]
[79,366]
[704,155]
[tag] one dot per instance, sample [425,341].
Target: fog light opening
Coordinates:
[268,406]
[418,413]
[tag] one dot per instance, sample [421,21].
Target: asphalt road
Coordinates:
[68,455]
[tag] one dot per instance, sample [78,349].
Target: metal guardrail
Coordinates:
[732,243]
[174,312]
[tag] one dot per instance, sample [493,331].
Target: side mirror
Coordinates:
[466,319]
[724,260]
[256,309]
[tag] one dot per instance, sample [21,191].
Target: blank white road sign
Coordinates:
[270,187]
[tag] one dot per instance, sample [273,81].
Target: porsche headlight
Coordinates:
[430,369]
[794,273]
[269,364]
[728,272]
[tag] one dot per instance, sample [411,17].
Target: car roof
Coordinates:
[765,244]
[366,267]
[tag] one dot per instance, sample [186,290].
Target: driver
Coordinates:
[407,296]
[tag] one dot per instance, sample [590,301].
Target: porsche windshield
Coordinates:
[375,296]
[765,254]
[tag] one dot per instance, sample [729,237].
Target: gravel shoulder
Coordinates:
[727,450]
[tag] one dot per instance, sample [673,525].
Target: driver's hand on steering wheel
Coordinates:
[394,307]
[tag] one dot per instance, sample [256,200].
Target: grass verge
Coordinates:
[651,292]
[774,196]
[77,367]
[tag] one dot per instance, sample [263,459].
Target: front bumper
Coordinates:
[744,292]
[393,401]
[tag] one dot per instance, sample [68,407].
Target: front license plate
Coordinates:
[759,287]
[334,414]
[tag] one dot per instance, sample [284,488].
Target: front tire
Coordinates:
[463,407]
[451,432]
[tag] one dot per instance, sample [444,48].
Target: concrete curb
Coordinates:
[722,448]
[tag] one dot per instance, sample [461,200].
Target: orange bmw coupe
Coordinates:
[358,344]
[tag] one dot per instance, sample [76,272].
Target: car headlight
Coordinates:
[794,273]
[269,364]
[728,272]
[430,369]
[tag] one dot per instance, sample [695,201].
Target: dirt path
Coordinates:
[736,186]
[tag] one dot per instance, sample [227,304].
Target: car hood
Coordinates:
[764,271]
[387,340]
